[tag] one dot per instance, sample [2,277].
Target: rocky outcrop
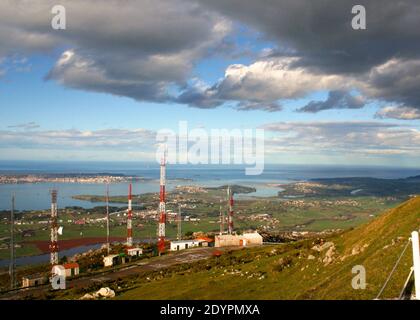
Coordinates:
[101,293]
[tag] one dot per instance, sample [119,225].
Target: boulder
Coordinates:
[105,293]
[323,247]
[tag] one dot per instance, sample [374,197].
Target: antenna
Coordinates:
[107,218]
[129,220]
[54,229]
[222,219]
[162,206]
[179,222]
[12,245]
[230,213]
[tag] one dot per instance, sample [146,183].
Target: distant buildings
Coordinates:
[72,269]
[134,252]
[186,244]
[34,280]
[111,260]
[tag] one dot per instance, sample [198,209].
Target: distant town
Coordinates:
[68,178]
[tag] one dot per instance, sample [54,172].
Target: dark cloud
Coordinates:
[320,36]
[336,100]
[139,49]
[321,32]
[147,49]
[251,106]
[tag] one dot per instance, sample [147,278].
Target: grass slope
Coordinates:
[285,272]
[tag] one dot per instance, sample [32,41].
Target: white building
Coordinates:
[233,240]
[59,270]
[111,260]
[72,269]
[185,244]
[134,252]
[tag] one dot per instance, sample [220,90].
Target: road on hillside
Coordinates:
[156,263]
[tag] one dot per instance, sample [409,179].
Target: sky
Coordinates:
[120,71]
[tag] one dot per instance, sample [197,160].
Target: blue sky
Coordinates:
[74,84]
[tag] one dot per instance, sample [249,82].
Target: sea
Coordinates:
[36,196]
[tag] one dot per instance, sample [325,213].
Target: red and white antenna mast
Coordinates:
[54,229]
[162,209]
[129,220]
[230,216]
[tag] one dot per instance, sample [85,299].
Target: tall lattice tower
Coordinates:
[107,219]
[222,219]
[230,213]
[179,222]
[162,209]
[12,245]
[54,229]
[129,220]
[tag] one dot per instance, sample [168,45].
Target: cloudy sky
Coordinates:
[122,70]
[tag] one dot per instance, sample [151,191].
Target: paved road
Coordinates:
[156,263]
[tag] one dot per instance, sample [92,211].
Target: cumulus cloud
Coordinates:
[398,112]
[147,49]
[262,83]
[384,59]
[396,80]
[138,49]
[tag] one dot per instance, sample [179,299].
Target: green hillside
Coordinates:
[296,270]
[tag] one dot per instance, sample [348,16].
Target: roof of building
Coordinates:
[72,265]
[112,256]
[205,239]
[252,235]
[183,241]
[34,276]
[134,249]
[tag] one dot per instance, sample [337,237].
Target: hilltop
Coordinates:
[310,269]
[352,186]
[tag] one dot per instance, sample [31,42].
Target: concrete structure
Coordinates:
[71,269]
[34,280]
[246,239]
[186,244]
[111,260]
[134,252]
[59,270]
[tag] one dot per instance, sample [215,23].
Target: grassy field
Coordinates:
[285,272]
[311,214]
